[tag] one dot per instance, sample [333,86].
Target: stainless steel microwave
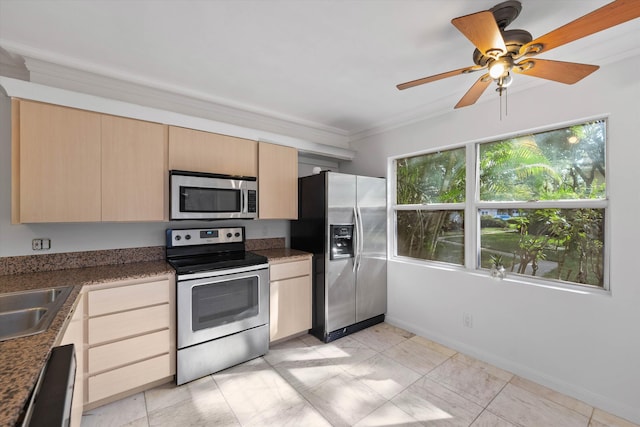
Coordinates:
[196,195]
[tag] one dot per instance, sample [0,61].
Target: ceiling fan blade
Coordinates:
[607,16]
[558,71]
[474,93]
[482,30]
[440,76]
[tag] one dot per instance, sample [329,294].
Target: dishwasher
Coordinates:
[50,403]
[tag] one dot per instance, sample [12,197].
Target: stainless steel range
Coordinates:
[222,300]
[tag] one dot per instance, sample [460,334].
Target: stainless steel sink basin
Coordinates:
[28,299]
[20,322]
[30,312]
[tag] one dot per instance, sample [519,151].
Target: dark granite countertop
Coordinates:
[22,359]
[276,255]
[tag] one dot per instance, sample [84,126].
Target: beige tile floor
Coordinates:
[381,376]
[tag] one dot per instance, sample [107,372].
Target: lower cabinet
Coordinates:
[130,338]
[290,298]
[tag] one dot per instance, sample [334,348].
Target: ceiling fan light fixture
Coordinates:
[505,81]
[500,67]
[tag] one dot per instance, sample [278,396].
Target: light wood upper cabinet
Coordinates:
[72,165]
[134,170]
[56,164]
[198,151]
[277,182]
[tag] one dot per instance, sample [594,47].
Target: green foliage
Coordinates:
[487,221]
[432,178]
[562,164]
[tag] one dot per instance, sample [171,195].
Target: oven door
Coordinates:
[223,303]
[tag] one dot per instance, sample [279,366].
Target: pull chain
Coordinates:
[506,101]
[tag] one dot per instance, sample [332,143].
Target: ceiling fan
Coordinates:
[502,52]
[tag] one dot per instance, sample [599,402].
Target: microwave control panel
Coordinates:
[252,202]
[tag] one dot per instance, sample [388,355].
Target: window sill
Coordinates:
[512,279]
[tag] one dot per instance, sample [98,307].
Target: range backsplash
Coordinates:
[67,260]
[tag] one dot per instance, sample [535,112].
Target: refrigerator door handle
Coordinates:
[360,241]
[356,237]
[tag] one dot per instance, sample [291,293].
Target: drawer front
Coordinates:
[105,301]
[119,380]
[129,323]
[127,351]
[290,269]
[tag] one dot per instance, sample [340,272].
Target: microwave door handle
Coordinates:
[243,203]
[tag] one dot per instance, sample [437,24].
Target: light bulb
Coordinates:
[500,67]
[496,69]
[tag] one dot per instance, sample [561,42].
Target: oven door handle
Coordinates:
[219,273]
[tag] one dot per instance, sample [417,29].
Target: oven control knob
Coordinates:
[237,234]
[178,237]
[229,235]
[188,236]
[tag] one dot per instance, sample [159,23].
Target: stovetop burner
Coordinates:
[198,250]
[197,264]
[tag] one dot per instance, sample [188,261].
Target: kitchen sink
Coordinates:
[30,312]
[20,321]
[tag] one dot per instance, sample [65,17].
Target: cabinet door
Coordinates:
[58,164]
[290,302]
[277,182]
[290,307]
[198,151]
[134,170]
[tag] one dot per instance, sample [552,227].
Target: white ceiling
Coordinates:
[328,64]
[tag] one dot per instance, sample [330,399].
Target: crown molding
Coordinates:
[37,92]
[75,75]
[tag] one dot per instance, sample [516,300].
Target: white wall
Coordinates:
[585,345]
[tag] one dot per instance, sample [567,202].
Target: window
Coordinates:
[540,202]
[430,196]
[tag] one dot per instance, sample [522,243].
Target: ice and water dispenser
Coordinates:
[341,241]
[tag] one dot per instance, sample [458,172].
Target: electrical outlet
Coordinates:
[467,320]
[40,244]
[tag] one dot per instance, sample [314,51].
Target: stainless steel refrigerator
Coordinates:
[342,220]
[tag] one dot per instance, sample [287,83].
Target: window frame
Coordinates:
[473,205]
[461,206]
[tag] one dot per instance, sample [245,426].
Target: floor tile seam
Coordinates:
[378,407]
[318,411]
[457,393]
[383,353]
[486,408]
[515,423]
[352,378]
[555,402]
[225,399]
[593,410]
[365,343]
[482,369]
[420,376]
[146,406]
